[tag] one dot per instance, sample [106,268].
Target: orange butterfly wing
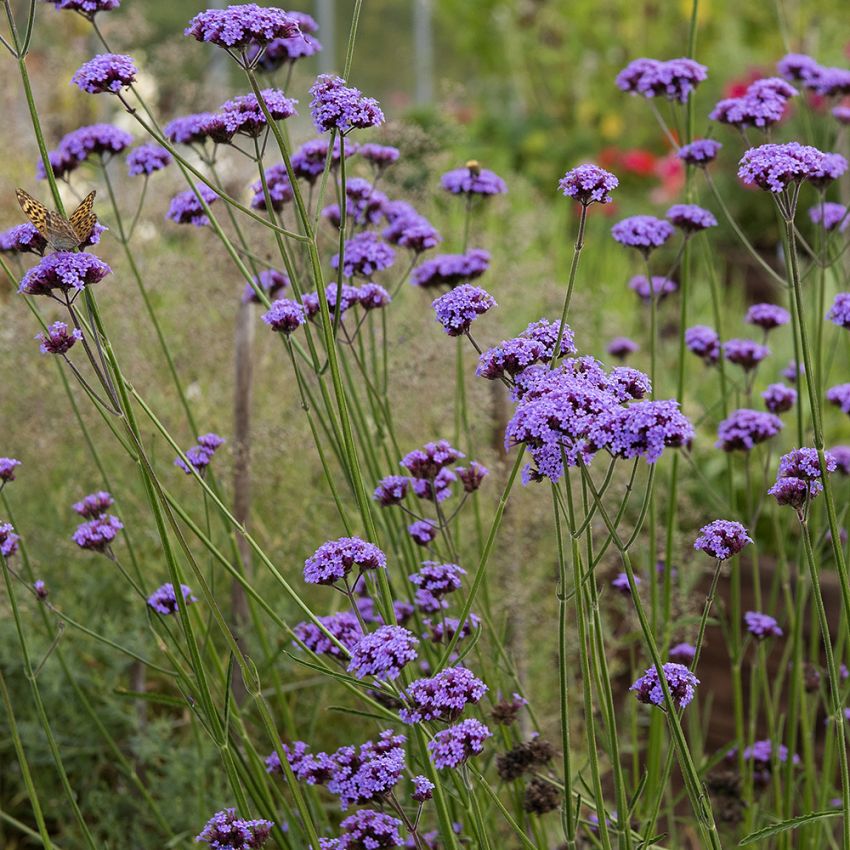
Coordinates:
[35,211]
[83,218]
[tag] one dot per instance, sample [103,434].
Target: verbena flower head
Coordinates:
[241,27]
[620,583]
[674,79]
[472,179]
[761,626]
[391,490]
[200,456]
[68,271]
[643,429]
[164,601]
[798,67]
[364,255]
[767,316]
[461,306]
[774,167]
[779,398]
[286,51]
[189,129]
[451,269]
[344,626]
[434,581]
[644,232]
[832,166]
[423,789]
[334,560]
[690,218]
[270,281]
[546,332]
[76,147]
[8,540]
[442,697]
[285,316]
[472,476]
[87,8]
[58,338]
[804,464]
[336,106]
[97,534]
[106,73]
[831,82]
[746,353]
[839,312]
[683,653]
[225,831]
[722,539]
[791,371]
[348,298]
[423,531]
[280,189]
[146,159]
[362,775]
[839,395]
[621,347]
[383,653]
[700,152]
[22,239]
[830,216]
[841,114]
[436,489]
[8,465]
[185,208]
[509,357]
[744,429]
[680,681]
[94,505]
[40,589]
[452,747]
[413,232]
[245,115]
[431,459]
[762,105]
[704,342]
[308,162]
[379,156]
[588,184]
[369,830]
[661,287]
[841,455]
[790,491]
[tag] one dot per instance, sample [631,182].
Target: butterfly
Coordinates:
[61,234]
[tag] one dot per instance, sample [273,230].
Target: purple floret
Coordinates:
[661,287]
[621,347]
[94,505]
[164,601]
[413,232]
[185,208]
[391,490]
[8,465]
[779,398]
[683,653]
[644,232]
[383,653]
[435,581]
[690,218]
[473,180]
[804,464]
[722,538]
[368,830]
[146,159]
[286,51]
[243,26]
[547,332]
[839,312]
[423,531]
[58,338]
[472,476]
[189,129]
[22,239]
[423,789]
[8,540]
[334,560]
[704,342]
[344,626]
[280,189]
[308,162]
[380,156]
[767,316]
[774,167]
[87,8]
[588,184]
[442,697]
[745,353]
[225,831]
[745,428]
[841,114]
[336,106]
[285,316]
[699,152]
[67,271]
[839,395]
[674,79]
[681,682]
[830,216]
[364,255]
[452,747]
[77,146]
[432,458]
[106,73]
[762,105]
[509,357]
[451,269]
[761,626]
[97,534]
[200,456]
[458,308]
[270,281]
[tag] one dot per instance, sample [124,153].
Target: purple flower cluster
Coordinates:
[225,831]
[102,140]
[189,129]
[761,626]
[280,189]
[364,254]
[620,583]
[379,156]
[699,152]
[245,115]
[67,271]
[704,342]
[681,682]
[643,429]
[241,27]
[58,338]
[774,167]
[722,538]
[8,540]
[336,106]
[367,830]
[824,81]
[383,653]
[334,560]
[146,159]
[22,239]
[674,79]
[428,461]
[8,465]
[94,505]
[308,162]
[200,456]
[588,184]
[344,626]
[164,600]
[106,73]
[461,306]
[745,353]
[839,395]
[185,208]
[779,398]
[767,316]
[472,179]
[762,105]
[661,287]
[451,269]
[621,347]
[87,8]
[690,218]
[434,581]
[683,653]
[839,312]
[644,232]
[271,281]
[743,429]
[285,316]
[830,216]
[841,456]
[97,534]
[442,697]
[410,230]
[423,789]
[286,51]
[452,747]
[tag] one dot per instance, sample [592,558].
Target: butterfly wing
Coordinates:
[83,218]
[35,211]
[61,235]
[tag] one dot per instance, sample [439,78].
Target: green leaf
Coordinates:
[783,826]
